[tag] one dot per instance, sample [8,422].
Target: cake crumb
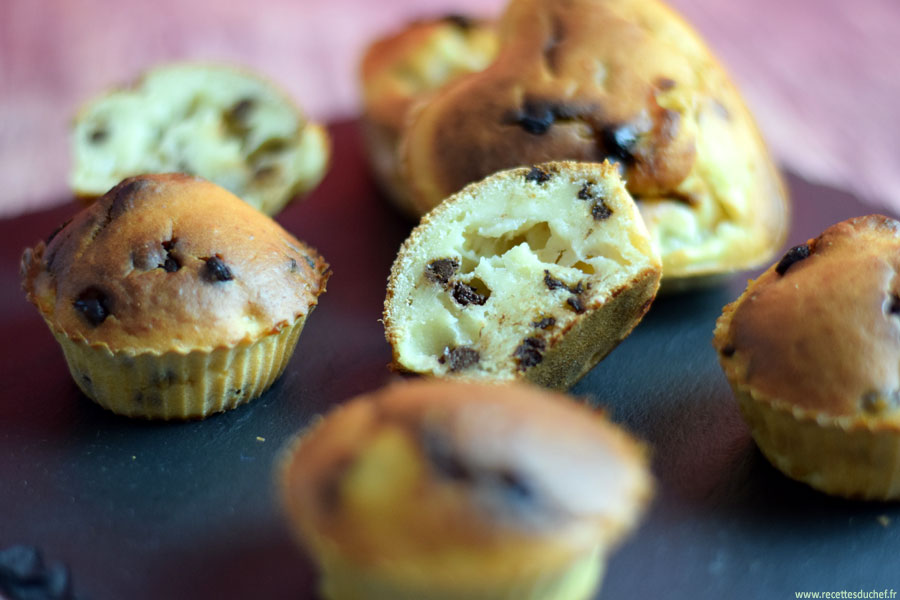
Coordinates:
[260,439]
[884,520]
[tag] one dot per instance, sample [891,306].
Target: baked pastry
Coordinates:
[624,80]
[400,69]
[171,298]
[227,125]
[533,273]
[458,491]
[811,349]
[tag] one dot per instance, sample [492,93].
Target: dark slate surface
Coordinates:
[187,510]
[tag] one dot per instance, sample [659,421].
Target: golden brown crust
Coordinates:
[171,263]
[811,350]
[475,468]
[823,336]
[646,92]
[402,68]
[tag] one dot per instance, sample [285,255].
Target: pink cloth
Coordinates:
[823,76]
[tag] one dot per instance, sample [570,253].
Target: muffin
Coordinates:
[227,125]
[534,273]
[811,350]
[624,80]
[402,68]
[451,490]
[171,298]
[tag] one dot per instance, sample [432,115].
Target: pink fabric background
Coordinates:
[823,76]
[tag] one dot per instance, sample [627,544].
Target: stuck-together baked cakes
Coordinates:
[439,490]
[172,298]
[812,349]
[224,124]
[402,68]
[624,80]
[534,273]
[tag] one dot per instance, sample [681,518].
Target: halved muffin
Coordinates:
[224,124]
[533,273]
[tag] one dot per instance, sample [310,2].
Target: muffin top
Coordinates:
[171,263]
[429,468]
[626,80]
[820,330]
[400,68]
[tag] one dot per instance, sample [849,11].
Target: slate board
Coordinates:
[186,510]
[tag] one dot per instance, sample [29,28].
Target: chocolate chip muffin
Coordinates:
[402,68]
[811,349]
[534,273]
[623,80]
[227,125]
[449,490]
[171,298]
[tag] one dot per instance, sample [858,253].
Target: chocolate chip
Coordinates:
[465,294]
[619,142]
[553,284]
[576,303]
[265,172]
[98,136]
[93,304]
[24,576]
[292,265]
[556,284]
[216,269]
[171,263]
[544,323]
[441,455]
[241,109]
[586,193]
[530,352]
[795,254]
[665,83]
[461,21]
[893,306]
[461,357]
[727,351]
[21,562]
[537,175]
[441,270]
[600,211]
[536,118]
[516,487]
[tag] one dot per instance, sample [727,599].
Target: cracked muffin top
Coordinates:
[171,262]
[820,330]
[624,80]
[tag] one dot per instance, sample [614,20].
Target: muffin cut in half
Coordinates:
[224,124]
[532,273]
[172,298]
[812,349]
[448,490]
